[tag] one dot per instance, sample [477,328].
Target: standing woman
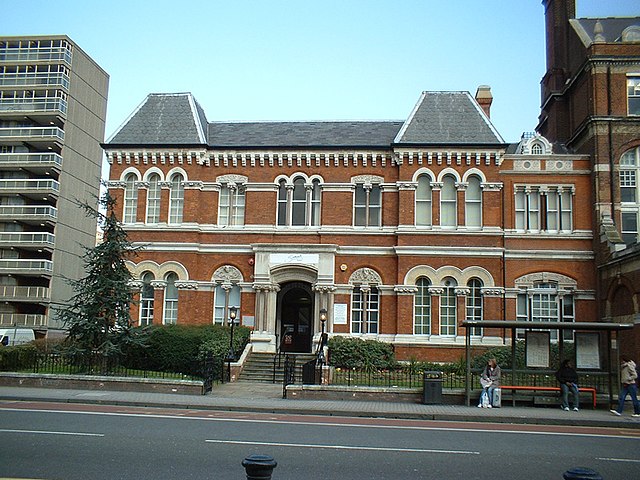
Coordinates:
[491,377]
[628,376]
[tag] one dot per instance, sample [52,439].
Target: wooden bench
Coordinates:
[550,389]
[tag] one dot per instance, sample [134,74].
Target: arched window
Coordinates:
[473,202]
[130,198]
[474,304]
[282,203]
[226,296]
[170,299]
[423,201]
[299,203]
[153,199]
[448,202]
[315,202]
[176,198]
[422,308]
[365,309]
[536,149]
[448,310]
[630,195]
[146,300]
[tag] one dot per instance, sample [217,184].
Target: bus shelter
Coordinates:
[590,338]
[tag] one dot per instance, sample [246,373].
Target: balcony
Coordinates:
[18,108]
[22,320]
[22,54]
[40,137]
[28,214]
[36,241]
[26,267]
[35,79]
[13,293]
[37,189]
[41,163]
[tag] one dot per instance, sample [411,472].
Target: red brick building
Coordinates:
[399,229]
[591,104]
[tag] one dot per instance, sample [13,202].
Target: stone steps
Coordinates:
[258,367]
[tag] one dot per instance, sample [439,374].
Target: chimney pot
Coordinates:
[484,99]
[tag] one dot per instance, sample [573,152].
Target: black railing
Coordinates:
[209,370]
[410,378]
[289,377]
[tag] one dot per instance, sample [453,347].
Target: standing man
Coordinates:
[628,376]
[568,379]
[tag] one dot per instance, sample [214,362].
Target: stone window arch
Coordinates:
[227,292]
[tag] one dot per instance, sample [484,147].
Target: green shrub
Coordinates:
[181,349]
[347,352]
[21,357]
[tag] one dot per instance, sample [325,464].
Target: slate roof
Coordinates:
[177,119]
[612,28]
[303,134]
[451,118]
[164,119]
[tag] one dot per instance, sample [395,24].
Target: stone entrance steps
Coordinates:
[258,367]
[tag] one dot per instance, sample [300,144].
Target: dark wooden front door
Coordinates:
[295,307]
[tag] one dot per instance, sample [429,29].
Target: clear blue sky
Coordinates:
[310,60]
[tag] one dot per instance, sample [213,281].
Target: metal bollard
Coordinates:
[259,467]
[579,473]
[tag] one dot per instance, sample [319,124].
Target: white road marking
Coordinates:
[330,424]
[628,460]
[45,432]
[343,447]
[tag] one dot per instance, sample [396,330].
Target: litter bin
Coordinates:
[432,388]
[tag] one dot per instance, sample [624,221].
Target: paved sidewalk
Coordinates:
[267,398]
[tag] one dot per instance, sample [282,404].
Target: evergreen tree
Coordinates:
[97,316]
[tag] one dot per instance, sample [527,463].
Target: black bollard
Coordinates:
[259,467]
[579,473]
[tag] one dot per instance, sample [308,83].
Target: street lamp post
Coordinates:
[231,356]
[321,358]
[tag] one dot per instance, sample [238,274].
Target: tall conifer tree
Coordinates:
[97,316]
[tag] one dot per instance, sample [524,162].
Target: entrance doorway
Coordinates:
[295,317]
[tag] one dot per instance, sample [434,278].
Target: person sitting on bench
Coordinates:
[568,379]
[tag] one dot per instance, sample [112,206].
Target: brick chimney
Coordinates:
[484,99]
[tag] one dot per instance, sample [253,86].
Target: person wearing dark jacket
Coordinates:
[568,379]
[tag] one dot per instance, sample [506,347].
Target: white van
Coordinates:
[15,336]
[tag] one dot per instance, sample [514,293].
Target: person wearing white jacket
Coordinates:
[628,377]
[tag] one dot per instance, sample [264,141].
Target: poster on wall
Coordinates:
[537,349]
[340,314]
[588,350]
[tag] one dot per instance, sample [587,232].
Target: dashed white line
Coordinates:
[627,460]
[46,432]
[344,447]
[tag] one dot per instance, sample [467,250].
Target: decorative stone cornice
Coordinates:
[462,291]
[411,156]
[186,285]
[436,290]
[492,186]
[492,291]
[324,288]
[158,284]
[367,179]
[405,289]
[265,287]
